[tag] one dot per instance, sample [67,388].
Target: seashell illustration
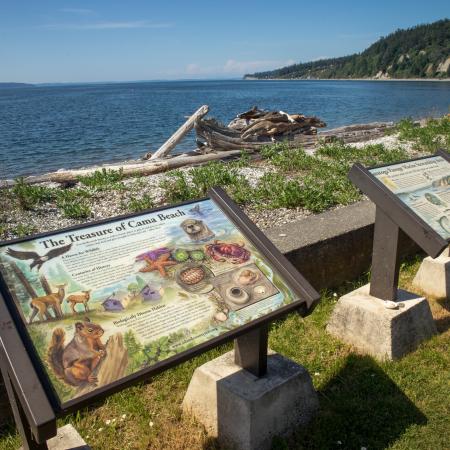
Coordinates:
[237,295]
[220,316]
[260,290]
[192,275]
[247,277]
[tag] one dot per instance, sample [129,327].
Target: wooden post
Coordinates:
[165,149]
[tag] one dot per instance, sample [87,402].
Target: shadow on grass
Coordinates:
[443,321]
[359,407]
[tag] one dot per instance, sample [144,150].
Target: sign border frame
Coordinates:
[400,213]
[305,303]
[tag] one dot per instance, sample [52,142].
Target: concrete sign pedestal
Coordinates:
[363,321]
[67,439]
[244,411]
[433,277]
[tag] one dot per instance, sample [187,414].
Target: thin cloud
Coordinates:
[235,67]
[108,25]
[81,11]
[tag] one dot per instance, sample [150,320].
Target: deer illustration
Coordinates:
[41,305]
[83,298]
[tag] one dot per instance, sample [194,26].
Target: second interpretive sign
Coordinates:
[424,186]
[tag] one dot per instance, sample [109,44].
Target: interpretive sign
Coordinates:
[414,194]
[424,186]
[102,304]
[412,198]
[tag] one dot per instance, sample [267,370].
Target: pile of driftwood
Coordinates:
[249,131]
[254,128]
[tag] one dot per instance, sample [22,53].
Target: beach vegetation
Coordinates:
[433,135]
[296,179]
[21,230]
[137,204]
[177,187]
[79,210]
[73,203]
[280,176]
[30,196]
[194,183]
[104,179]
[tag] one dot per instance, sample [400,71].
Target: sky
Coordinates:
[52,41]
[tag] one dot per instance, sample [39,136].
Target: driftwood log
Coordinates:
[137,169]
[166,148]
[224,138]
[227,143]
[254,128]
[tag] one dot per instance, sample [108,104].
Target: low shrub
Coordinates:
[433,135]
[140,204]
[29,196]
[104,179]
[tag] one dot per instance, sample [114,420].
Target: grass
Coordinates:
[363,403]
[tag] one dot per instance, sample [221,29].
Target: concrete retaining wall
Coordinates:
[332,247]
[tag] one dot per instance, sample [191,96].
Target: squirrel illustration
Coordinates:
[76,362]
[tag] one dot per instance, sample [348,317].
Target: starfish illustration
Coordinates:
[159,264]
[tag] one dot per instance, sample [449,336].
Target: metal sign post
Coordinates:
[250,350]
[33,414]
[385,257]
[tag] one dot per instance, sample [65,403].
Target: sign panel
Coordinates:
[102,302]
[423,186]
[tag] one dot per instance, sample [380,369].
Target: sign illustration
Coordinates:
[102,302]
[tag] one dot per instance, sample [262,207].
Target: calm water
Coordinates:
[46,128]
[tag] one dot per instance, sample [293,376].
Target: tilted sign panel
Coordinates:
[103,302]
[423,186]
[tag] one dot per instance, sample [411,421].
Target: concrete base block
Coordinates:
[363,321]
[433,277]
[66,439]
[245,412]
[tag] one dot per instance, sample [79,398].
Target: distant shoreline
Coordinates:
[347,79]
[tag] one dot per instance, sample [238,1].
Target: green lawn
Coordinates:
[399,405]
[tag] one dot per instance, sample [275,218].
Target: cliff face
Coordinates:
[419,52]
